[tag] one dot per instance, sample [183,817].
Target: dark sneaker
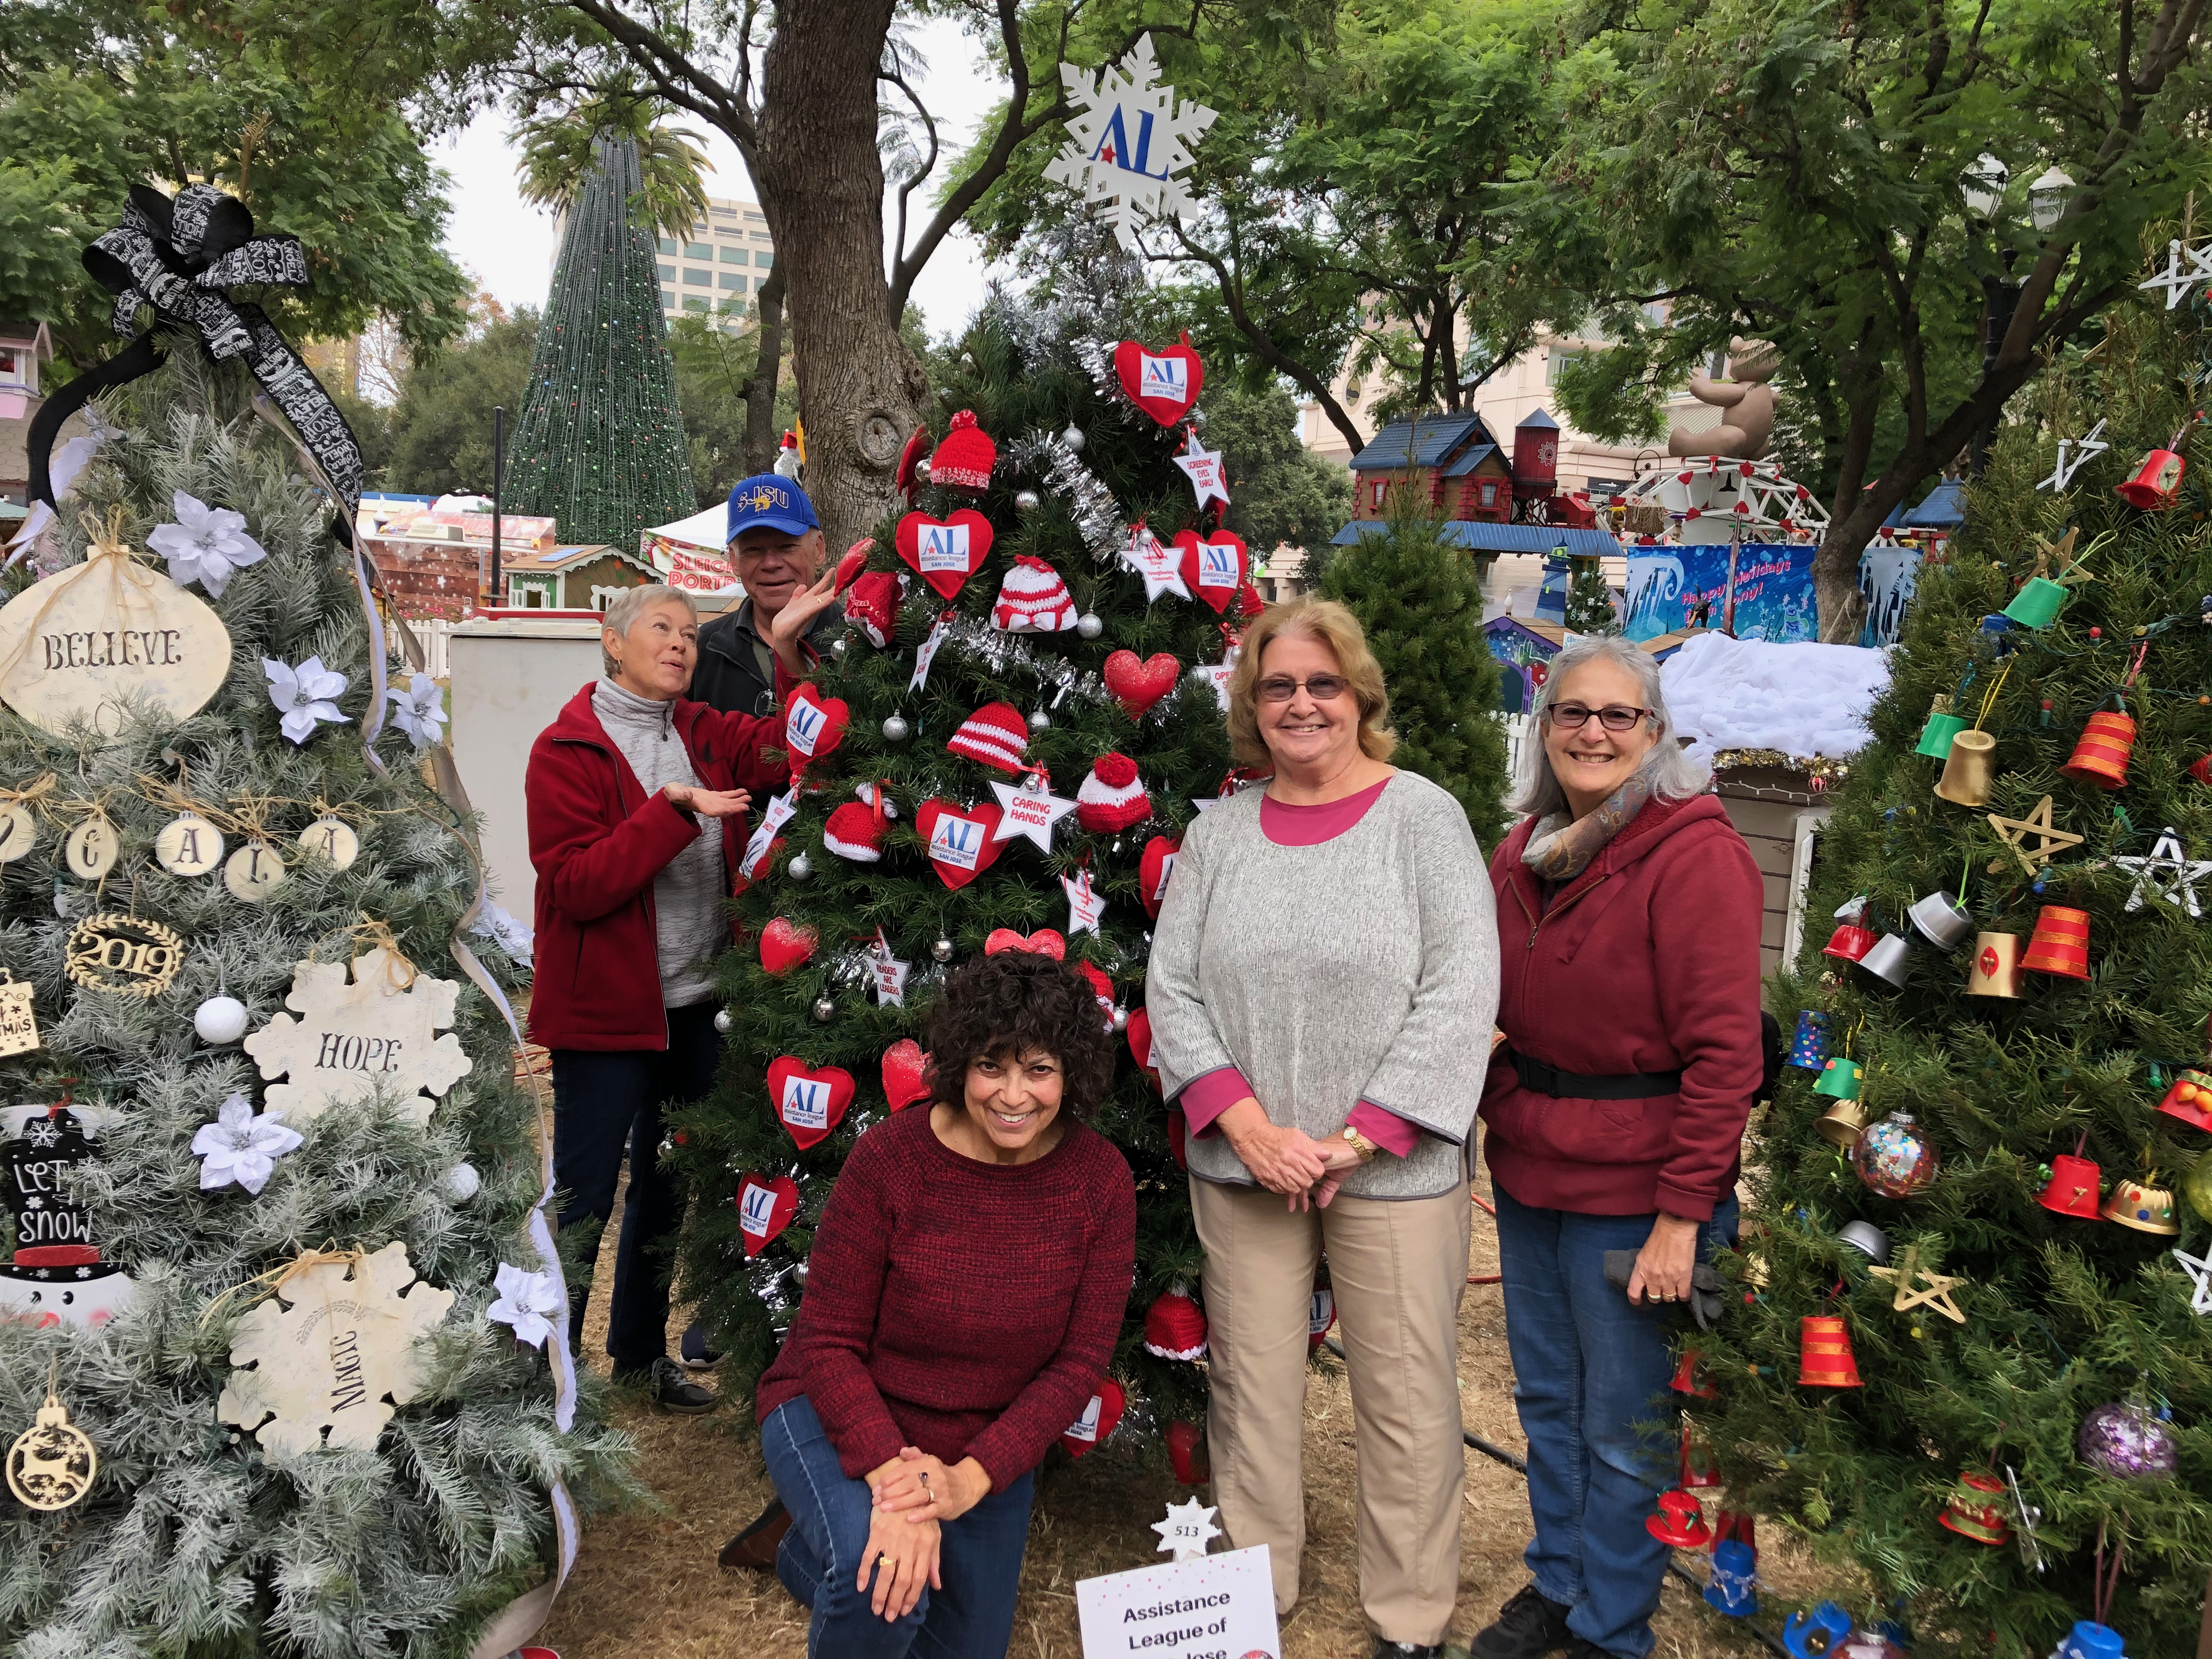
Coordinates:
[1528,1627]
[697,1356]
[673,1391]
[756,1546]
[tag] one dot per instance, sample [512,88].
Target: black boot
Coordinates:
[671,1391]
[756,1546]
[1528,1627]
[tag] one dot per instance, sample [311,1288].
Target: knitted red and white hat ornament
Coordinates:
[872,604]
[996,735]
[855,832]
[1033,599]
[1113,796]
[1175,1327]
[964,460]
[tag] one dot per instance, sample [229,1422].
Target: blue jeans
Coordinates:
[979,1558]
[1590,1374]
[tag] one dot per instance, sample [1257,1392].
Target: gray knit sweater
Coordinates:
[687,893]
[1363,969]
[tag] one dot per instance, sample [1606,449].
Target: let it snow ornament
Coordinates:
[55,1276]
[1128,140]
[379,1030]
[331,1355]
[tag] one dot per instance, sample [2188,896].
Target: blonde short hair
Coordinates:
[1330,624]
[627,606]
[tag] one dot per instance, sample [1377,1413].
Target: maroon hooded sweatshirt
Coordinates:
[1648,960]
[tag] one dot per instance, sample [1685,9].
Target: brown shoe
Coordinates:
[756,1546]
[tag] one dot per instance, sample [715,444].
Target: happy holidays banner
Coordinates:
[1758,591]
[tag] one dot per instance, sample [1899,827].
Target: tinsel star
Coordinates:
[528,1303]
[207,544]
[302,695]
[2165,873]
[419,711]
[1188,1529]
[240,1147]
[1207,475]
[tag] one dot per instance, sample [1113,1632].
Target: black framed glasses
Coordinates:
[1321,687]
[1614,717]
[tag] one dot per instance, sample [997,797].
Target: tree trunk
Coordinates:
[767,369]
[861,391]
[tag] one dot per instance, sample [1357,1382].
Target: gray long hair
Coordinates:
[1667,769]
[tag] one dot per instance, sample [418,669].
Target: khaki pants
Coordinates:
[1399,1268]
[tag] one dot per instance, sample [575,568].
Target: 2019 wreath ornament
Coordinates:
[134,955]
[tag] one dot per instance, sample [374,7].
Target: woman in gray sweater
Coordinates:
[1322,985]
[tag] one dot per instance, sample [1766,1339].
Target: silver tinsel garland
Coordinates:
[1098,515]
[974,637]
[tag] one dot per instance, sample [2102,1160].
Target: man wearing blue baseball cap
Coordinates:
[776,548]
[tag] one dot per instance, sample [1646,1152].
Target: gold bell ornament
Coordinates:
[1971,770]
[1995,971]
[2146,1208]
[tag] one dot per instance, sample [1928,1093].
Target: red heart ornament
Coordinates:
[958,839]
[945,552]
[1140,1044]
[765,1208]
[784,945]
[1153,871]
[813,725]
[1045,942]
[1098,1420]
[1138,684]
[809,1102]
[1214,565]
[906,1074]
[1164,384]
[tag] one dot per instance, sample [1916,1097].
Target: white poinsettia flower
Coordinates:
[240,1147]
[207,544]
[419,711]
[303,694]
[528,1302]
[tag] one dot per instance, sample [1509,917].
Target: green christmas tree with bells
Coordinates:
[1971,1359]
[599,444]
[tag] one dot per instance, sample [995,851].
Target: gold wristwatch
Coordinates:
[1358,1143]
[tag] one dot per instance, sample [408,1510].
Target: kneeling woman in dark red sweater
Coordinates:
[964,1294]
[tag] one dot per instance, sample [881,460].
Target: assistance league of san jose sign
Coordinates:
[1212,1606]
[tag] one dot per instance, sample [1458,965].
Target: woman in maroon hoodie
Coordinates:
[1628,918]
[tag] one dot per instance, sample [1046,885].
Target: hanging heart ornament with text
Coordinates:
[1164,384]
[809,1102]
[959,838]
[765,1208]
[1214,565]
[945,552]
[1045,942]
[813,725]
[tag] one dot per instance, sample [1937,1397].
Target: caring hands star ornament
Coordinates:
[1188,1529]
[2164,874]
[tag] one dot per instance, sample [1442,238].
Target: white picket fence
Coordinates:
[1520,731]
[431,634]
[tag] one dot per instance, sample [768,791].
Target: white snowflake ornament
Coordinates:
[379,1032]
[419,711]
[1126,142]
[527,1302]
[240,1147]
[303,694]
[206,545]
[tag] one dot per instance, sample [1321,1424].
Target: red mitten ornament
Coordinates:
[1186,1452]
[1098,1420]
[1175,1327]
[917,440]
[963,461]
[1033,599]
[809,1102]
[784,945]
[765,1208]
[1102,987]
[855,562]
[871,604]
[996,735]
[1249,602]
[945,552]
[959,838]
[1045,942]
[1138,684]
[1214,565]
[1164,384]
[1113,796]
[906,1074]
[1153,871]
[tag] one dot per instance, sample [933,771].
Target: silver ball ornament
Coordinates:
[1121,1018]
[798,1271]
[1073,437]
[1198,674]
[722,1021]
[220,1020]
[1027,500]
[1198,419]
[1089,625]
[462,1182]
[825,1010]
[800,867]
[922,471]
[896,730]
[942,950]
[1040,720]
[837,646]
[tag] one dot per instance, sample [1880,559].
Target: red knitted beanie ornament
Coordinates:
[1112,798]
[871,604]
[963,461]
[996,735]
[1175,1327]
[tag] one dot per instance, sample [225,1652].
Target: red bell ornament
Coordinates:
[2190,1099]
[2060,944]
[2101,754]
[1175,1327]
[1680,1521]
[1688,1381]
[1698,1470]
[2156,483]
[1848,943]
[1976,1509]
[2073,1187]
[1186,1452]
[1826,1360]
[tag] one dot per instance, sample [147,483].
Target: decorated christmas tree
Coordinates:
[280,1321]
[600,442]
[1971,1361]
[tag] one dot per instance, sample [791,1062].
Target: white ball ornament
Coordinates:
[1073,437]
[1089,625]
[722,1021]
[896,730]
[462,1182]
[800,867]
[220,1020]
[1040,720]
[1027,500]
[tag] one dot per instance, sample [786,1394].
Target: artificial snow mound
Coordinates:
[1801,699]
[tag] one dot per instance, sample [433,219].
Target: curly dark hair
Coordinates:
[1013,1003]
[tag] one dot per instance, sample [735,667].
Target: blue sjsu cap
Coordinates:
[765,499]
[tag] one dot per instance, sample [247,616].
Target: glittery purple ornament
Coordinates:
[1894,1157]
[2125,1439]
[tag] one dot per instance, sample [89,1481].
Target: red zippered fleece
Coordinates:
[1646,962]
[597,841]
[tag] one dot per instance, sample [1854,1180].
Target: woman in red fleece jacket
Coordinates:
[1628,917]
[964,1290]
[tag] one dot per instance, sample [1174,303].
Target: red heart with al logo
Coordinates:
[1213,565]
[1045,942]
[765,1208]
[1164,384]
[813,725]
[958,839]
[1153,871]
[945,552]
[1140,1044]
[1098,1419]
[784,945]
[1139,683]
[906,1074]
[809,1102]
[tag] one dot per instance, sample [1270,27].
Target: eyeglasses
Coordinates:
[1614,717]
[1321,687]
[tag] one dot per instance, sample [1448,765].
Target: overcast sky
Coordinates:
[509,247]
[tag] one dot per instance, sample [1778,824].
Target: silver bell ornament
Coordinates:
[1027,500]
[825,1010]
[800,867]
[942,950]
[461,1182]
[1089,626]
[1040,720]
[722,1021]
[896,730]
[220,1020]
[1073,437]
[1121,1017]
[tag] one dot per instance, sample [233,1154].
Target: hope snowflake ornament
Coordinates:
[378,1033]
[1128,140]
[331,1353]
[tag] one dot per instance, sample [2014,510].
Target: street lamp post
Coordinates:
[1984,195]
[498,480]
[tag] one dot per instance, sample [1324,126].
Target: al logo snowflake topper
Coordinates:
[377,1032]
[1128,140]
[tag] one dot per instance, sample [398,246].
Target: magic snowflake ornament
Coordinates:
[379,1032]
[1128,139]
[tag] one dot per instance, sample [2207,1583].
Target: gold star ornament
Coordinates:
[1936,1294]
[2050,839]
